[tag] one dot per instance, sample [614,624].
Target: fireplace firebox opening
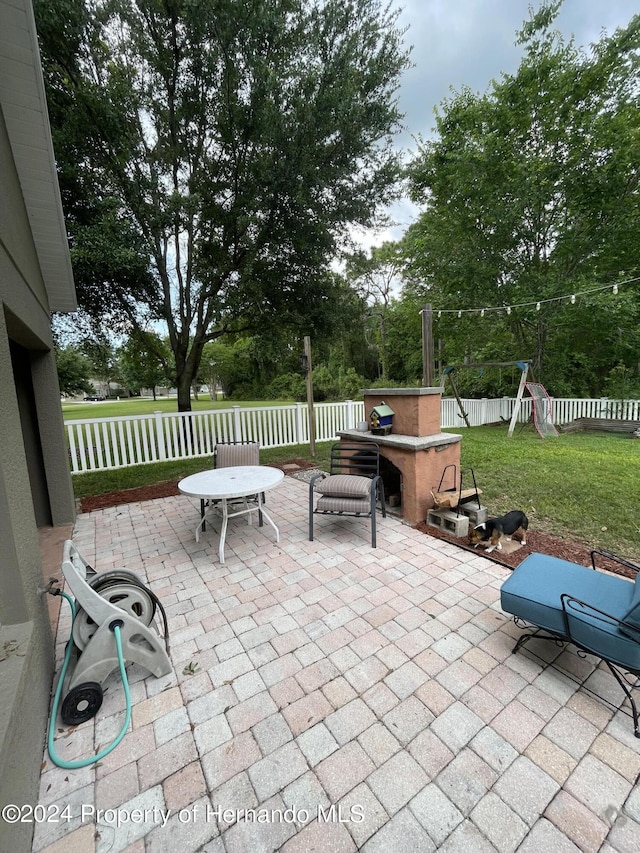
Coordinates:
[391,477]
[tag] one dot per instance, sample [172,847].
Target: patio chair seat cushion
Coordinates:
[352,487]
[533,593]
[329,503]
[605,638]
[632,616]
[344,486]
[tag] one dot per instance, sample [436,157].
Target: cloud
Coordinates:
[458,43]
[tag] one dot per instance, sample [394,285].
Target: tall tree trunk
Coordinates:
[184,392]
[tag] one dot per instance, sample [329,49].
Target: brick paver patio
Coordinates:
[331,697]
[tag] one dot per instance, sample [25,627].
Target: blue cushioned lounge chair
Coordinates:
[597,611]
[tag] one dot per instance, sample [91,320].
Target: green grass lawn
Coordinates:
[578,486]
[147,406]
[581,486]
[101,482]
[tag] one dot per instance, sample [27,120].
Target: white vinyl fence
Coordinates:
[564,410]
[98,444]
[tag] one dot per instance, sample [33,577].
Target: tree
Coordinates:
[404,338]
[235,364]
[375,277]
[213,152]
[532,191]
[140,365]
[103,359]
[74,372]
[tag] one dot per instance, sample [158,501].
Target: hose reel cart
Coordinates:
[104,602]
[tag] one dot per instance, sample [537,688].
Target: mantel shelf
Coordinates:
[410,443]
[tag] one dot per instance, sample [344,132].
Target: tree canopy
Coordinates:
[212,154]
[74,371]
[531,192]
[376,278]
[141,366]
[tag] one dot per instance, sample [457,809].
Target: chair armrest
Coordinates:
[608,555]
[570,602]
[378,491]
[315,478]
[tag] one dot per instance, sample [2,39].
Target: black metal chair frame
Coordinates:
[358,459]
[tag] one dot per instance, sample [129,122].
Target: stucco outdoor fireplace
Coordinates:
[416,447]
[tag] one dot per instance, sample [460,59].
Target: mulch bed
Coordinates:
[542,543]
[127,496]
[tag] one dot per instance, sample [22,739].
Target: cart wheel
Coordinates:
[81,703]
[120,589]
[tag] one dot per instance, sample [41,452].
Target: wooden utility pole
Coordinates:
[309,366]
[427,346]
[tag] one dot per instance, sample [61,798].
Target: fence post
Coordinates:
[483,411]
[350,424]
[237,426]
[162,450]
[299,424]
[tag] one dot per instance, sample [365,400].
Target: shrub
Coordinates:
[288,386]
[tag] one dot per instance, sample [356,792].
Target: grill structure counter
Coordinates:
[416,447]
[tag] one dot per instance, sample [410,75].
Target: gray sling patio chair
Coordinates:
[353,486]
[228,454]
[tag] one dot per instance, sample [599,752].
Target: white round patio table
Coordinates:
[226,484]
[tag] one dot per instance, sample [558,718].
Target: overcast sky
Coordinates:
[460,43]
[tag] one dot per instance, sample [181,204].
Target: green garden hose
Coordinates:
[85,762]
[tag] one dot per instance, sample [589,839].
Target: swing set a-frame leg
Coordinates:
[516,408]
[460,406]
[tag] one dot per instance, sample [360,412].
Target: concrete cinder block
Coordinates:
[476,515]
[449,521]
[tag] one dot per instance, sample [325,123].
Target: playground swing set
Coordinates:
[542,411]
[457,508]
